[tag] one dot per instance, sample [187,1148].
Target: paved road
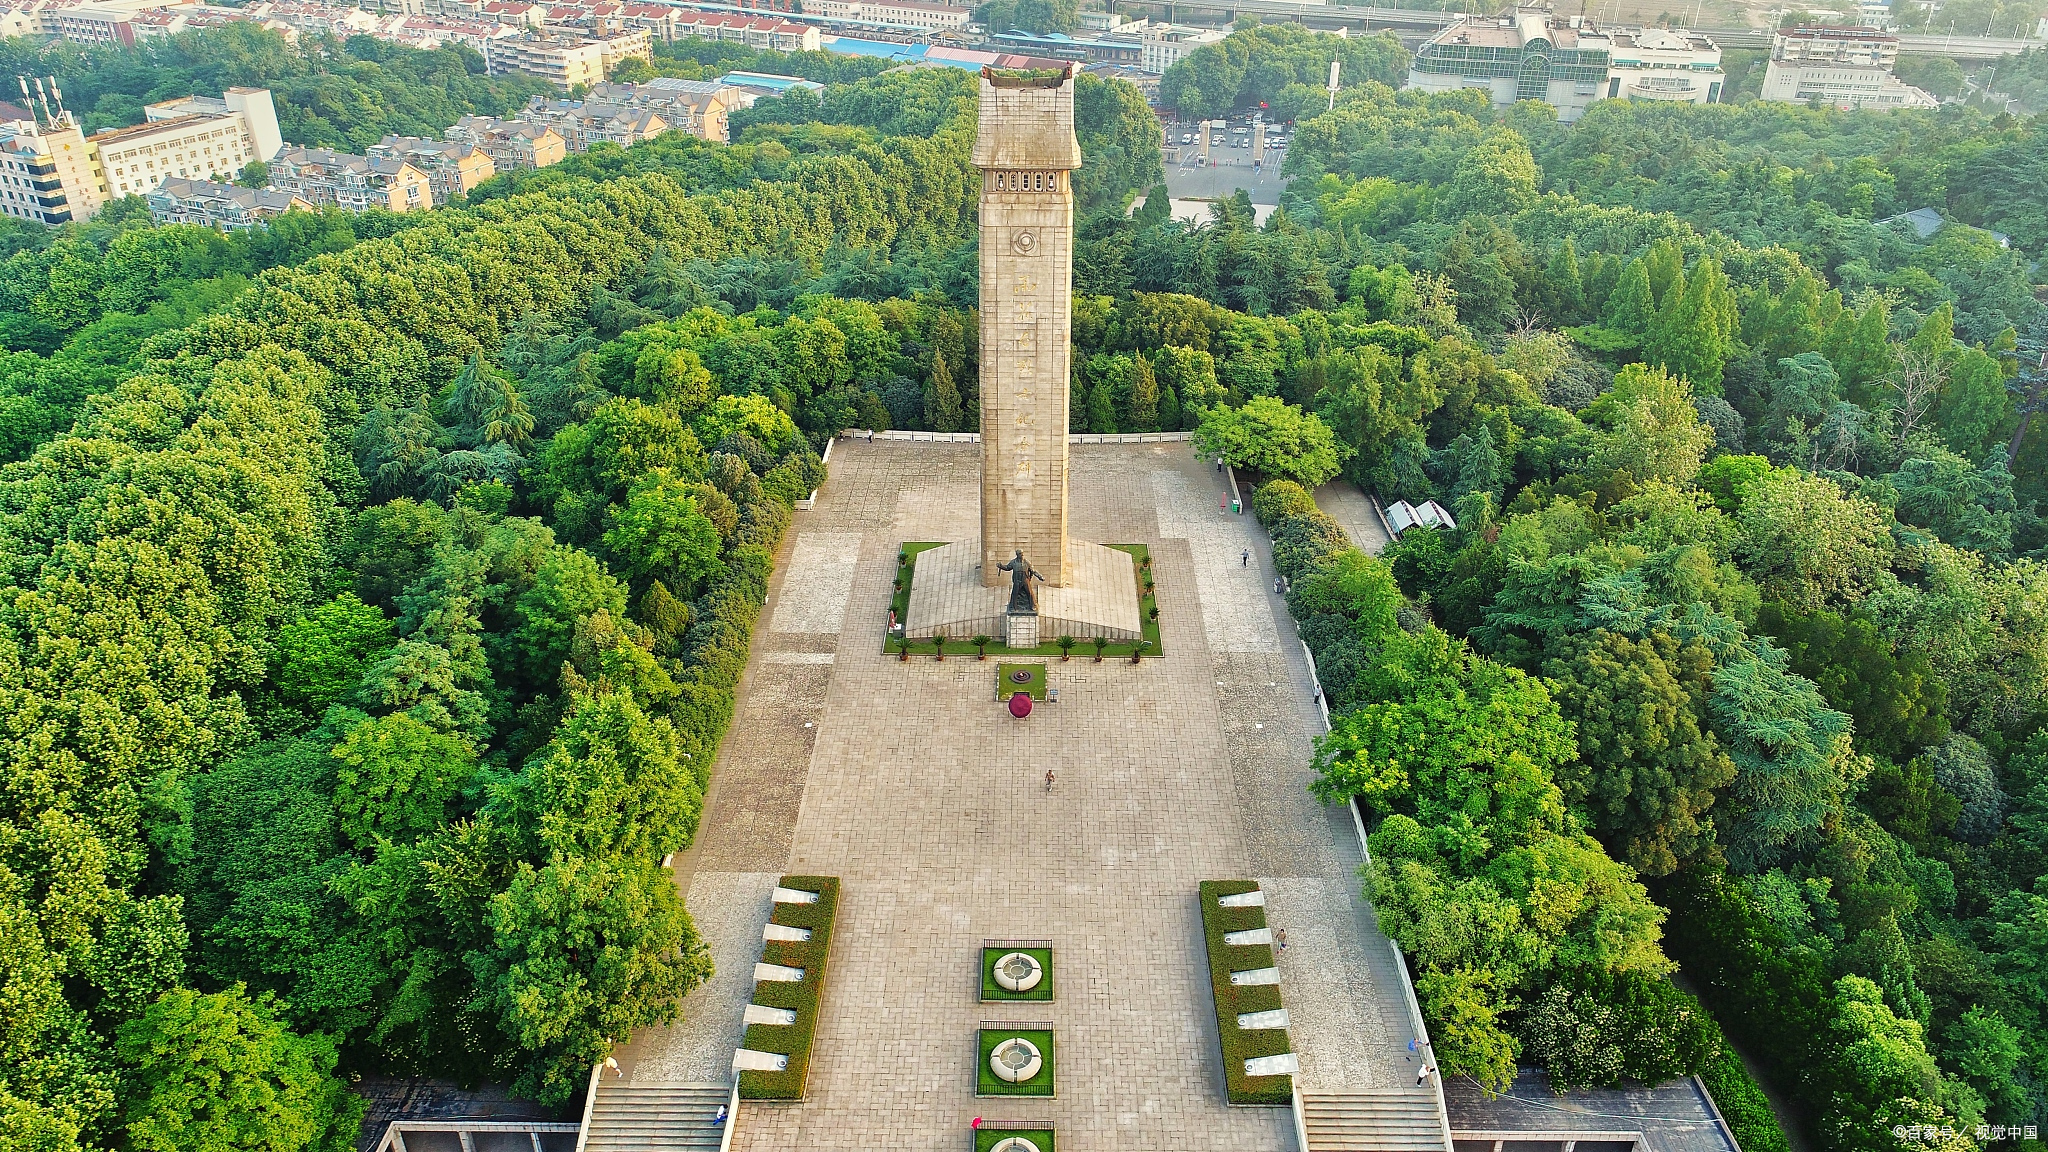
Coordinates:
[928,801]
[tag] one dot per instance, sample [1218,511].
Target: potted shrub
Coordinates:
[981,643]
[1138,650]
[1153,612]
[1100,643]
[1066,644]
[939,645]
[902,644]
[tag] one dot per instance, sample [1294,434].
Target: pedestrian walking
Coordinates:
[1280,934]
[612,1062]
[1048,779]
[1219,463]
[1422,1074]
[1245,561]
[718,1121]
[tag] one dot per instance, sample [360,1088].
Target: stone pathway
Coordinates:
[928,801]
[1350,508]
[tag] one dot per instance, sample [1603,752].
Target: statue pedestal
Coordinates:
[1020,630]
[1100,597]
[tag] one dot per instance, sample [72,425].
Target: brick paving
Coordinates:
[928,801]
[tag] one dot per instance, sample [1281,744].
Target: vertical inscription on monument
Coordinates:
[1025,149]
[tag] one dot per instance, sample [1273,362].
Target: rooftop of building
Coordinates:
[255,199]
[769,80]
[1674,1117]
[147,128]
[1842,32]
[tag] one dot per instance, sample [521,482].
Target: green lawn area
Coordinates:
[1148,615]
[987,1083]
[988,1137]
[1007,684]
[990,990]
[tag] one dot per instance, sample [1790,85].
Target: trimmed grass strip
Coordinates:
[804,997]
[1231,999]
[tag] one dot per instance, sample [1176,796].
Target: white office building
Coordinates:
[1169,44]
[1848,68]
[1571,63]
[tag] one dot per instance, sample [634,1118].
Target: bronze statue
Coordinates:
[1022,599]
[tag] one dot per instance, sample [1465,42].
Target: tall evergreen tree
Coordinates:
[1633,307]
[941,398]
[1101,409]
[1856,344]
[1563,294]
[1144,406]
[1695,329]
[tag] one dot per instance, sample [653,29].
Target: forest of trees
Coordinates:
[328,93]
[376,608]
[377,586]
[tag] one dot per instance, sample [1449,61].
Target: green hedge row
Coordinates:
[722,619]
[1231,999]
[1743,1104]
[803,996]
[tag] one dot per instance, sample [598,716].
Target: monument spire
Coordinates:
[1025,149]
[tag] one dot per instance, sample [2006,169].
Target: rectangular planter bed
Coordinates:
[803,996]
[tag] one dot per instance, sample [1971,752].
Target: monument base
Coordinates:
[1020,630]
[947,597]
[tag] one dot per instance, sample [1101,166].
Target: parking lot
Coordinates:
[1231,163]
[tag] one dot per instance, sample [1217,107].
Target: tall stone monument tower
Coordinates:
[1025,149]
[1026,152]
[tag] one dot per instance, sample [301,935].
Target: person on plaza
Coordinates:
[1048,779]
[1245,561]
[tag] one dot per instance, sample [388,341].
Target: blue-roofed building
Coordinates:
[767,83]
[854,46]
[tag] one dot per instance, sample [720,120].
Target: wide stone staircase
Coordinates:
[1385,1121]
[656,1118]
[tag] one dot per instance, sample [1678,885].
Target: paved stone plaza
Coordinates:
[910,783]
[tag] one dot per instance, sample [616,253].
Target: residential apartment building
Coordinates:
[106,22]
[198,136]
[511,144]
[698,107]
[583,123]
[434,31]
[911,13]
[1165,45]
[565,57]
[224,206]
[323,177]
[452,168]
[753,31]
[1847,68]
[48,173]
[1568,62]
